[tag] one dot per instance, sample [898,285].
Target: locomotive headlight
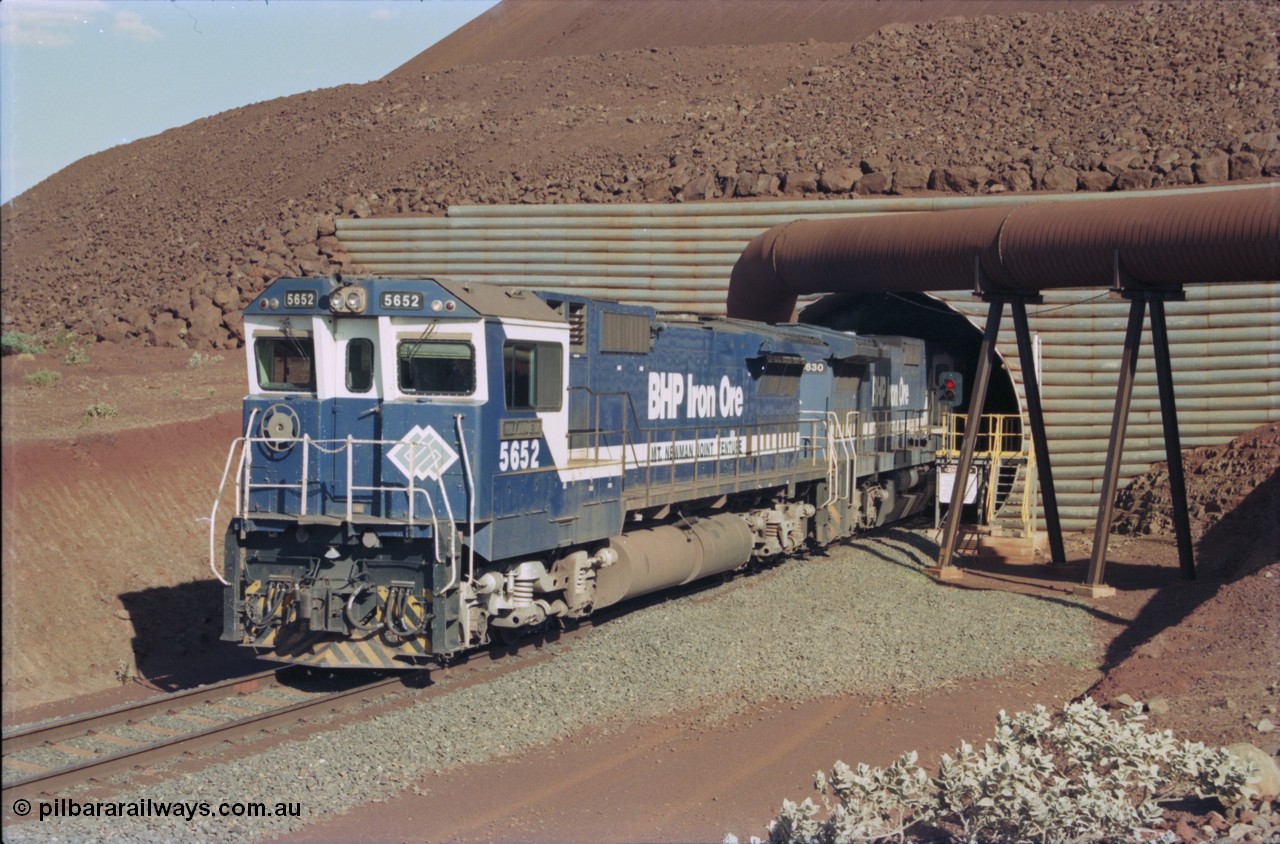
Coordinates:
[348,300]
[437,305]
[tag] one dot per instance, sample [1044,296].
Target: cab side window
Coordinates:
[531,375]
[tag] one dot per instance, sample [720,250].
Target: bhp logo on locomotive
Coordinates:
[668,390]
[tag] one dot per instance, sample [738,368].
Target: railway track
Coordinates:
[46,758]
[85,748]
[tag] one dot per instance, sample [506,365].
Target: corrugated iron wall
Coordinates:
[1225,338]
[1225,344]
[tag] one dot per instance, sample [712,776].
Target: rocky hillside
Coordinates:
[535,29]
[161,241]
[1233,499]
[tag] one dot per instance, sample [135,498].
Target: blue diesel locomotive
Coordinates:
[428,464]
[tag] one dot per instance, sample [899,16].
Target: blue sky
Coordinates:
[80,76]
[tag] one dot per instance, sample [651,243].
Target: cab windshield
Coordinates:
[286,364]
[436,367]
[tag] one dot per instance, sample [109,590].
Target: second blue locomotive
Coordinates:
[427,464]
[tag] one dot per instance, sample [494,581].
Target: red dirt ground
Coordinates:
[679,780]
[105,518]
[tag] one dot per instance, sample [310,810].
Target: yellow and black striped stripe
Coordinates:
[329,650]
[297,644]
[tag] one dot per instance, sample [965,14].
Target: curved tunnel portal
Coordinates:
[927,317]
[948,333]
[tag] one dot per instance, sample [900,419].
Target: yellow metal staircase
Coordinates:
[1004,456]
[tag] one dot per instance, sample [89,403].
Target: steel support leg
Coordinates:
[978,398]
[1115,448]
[1039,438]
[1172,440]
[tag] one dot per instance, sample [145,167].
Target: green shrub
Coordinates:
[65,338]
[43,378]
[76,356]
[17,343]
[199,360]
[1080,777]
[101,410]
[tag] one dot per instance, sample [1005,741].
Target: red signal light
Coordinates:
[949,386]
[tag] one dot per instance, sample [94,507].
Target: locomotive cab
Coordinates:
[373,406]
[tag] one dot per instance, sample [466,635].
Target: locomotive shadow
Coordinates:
[175,636]
[922,551]
[498,649]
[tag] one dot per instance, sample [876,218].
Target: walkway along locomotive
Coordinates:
[427,464]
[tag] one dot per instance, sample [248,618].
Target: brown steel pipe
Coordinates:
[1147,241]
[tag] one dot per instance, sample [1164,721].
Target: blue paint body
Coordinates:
[577,418]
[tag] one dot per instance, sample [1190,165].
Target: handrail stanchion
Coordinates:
[413,473]
[471,495]
[306,465]
[247,466]
[349,449]
[243,442]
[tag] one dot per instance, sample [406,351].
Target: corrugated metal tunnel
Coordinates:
[1225,337]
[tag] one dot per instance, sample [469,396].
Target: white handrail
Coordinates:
[222,485]
[213,516]
[435,524]
[306,465]
[350,448]
[245,471]
[852,427]
[413,462]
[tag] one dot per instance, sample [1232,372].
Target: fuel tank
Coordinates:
[661,557]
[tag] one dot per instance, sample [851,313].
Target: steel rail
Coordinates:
[147,754]
[78,725]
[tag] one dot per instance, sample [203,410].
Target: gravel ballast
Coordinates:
[863,619]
